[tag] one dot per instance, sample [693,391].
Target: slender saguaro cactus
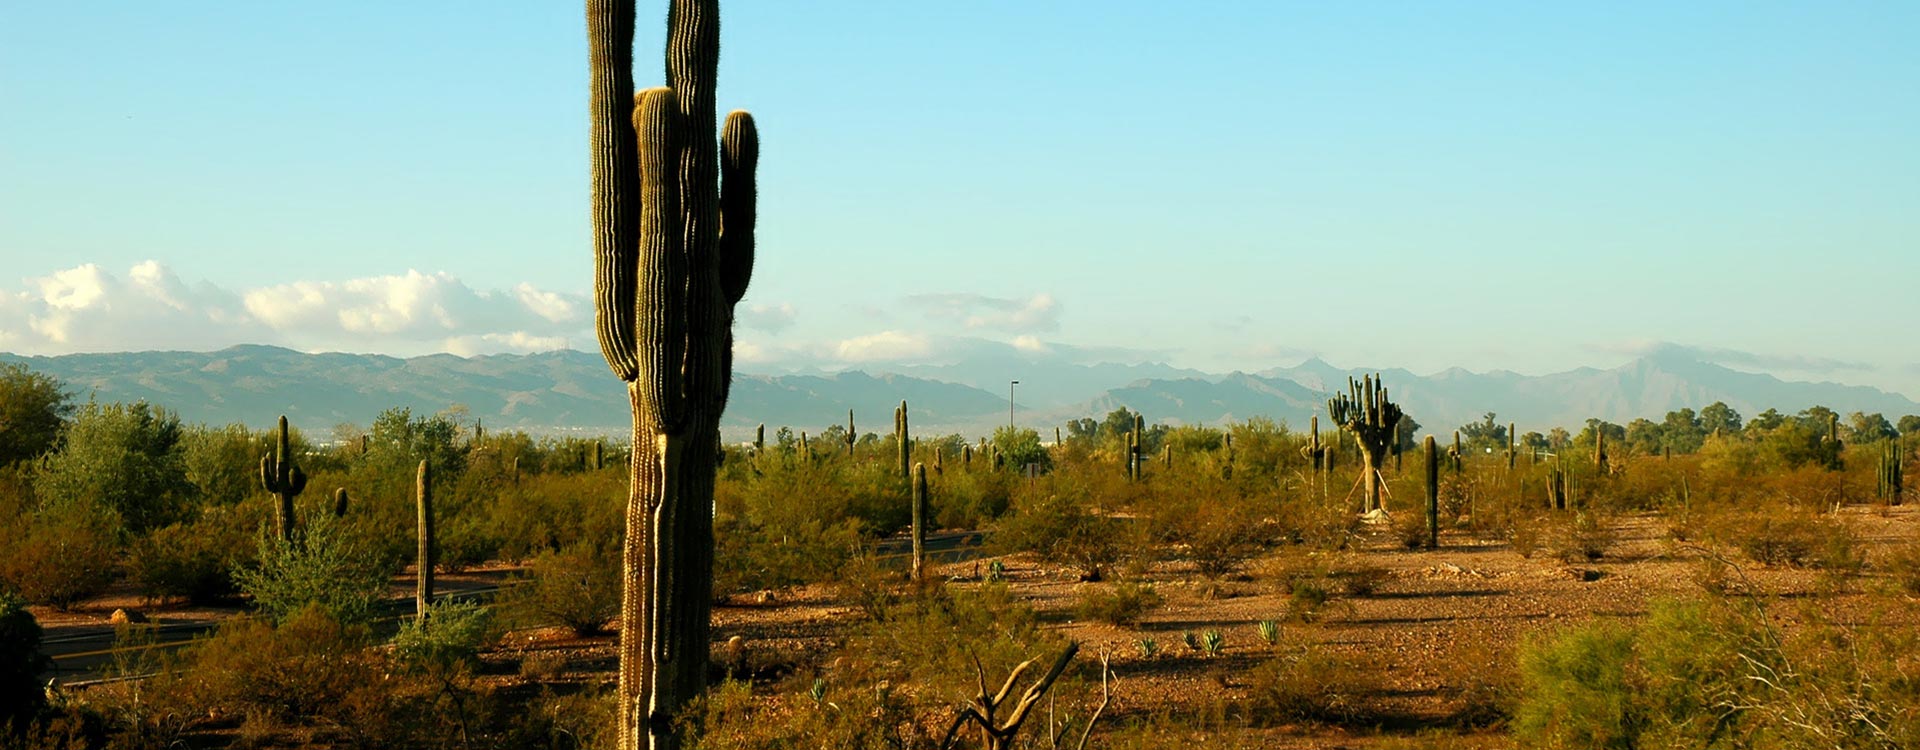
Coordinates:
[1892,477]
[423,505]
[284,479]
[1513,447]
[1433,494]
[1600,448]
[919,522]
[1458,454]
[852,434]
[339,502]
[673,215]
[1315,453]
[904,445]
[760,440]
[1373,421]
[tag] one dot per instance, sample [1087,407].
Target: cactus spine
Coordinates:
[423,504]
[667,277]
[1433,494]
[1374,422]
[284,479]
[900,438]
[919,522]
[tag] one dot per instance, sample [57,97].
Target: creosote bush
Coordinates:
[327,564]
[1122,603]
[578,587]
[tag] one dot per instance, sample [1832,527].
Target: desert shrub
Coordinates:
[1675,680]
[463,540]
[1208,520]
[868,583]
[1305,683]
[1903,565]
[448,636]
[749,557]
[578,587]
[1784,536]
[301,668]
[193,561]
[1059,527]
[1123,603]
[970,500]
[857,717]
[1587,537]
[61,554]
[327,565]
[20,661]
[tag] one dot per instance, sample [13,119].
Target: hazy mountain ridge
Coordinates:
[564,391]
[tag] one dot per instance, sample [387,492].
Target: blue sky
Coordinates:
[1528,186]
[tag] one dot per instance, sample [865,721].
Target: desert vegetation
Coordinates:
[1749,584]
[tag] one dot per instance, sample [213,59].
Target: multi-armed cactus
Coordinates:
[283,479]
[1374,423]
[919,522]
[901,441]
[673,214]
[1892,478]
[423,505]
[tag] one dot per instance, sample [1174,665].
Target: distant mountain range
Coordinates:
[573,392]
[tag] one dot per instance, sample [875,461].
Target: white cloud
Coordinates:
[885,346]
[769,318]
[87,308]
[978,311]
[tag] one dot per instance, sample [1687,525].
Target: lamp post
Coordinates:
[1010,385]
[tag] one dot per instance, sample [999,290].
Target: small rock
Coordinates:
[126,616]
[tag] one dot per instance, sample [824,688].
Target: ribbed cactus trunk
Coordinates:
[1600,449]
[919,522]
[423,506]
[1433,493]
[284,479]
[1459,454]
[667,277]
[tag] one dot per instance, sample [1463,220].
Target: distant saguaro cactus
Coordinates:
[919,522]
[1890,475]
[339,502]
[1600,449]
[901,440]
[760,440]
[1433,494]
[424,558]
[1458,455]
[1313,451]
[852,433]
[673,249]
[1513,447]
[1373,421]
[284,479]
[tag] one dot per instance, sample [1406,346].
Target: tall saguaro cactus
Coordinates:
[1374,423]
[423,505]
[284,479]
[919,522]
[673,214]
[1433,494]
[901,442]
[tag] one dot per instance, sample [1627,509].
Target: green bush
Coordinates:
[61,555]
[449,636]
[326,565]
[194,561]
[1305,683]
[578,587]
[1059,527]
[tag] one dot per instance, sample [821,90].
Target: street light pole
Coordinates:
[1010,385]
